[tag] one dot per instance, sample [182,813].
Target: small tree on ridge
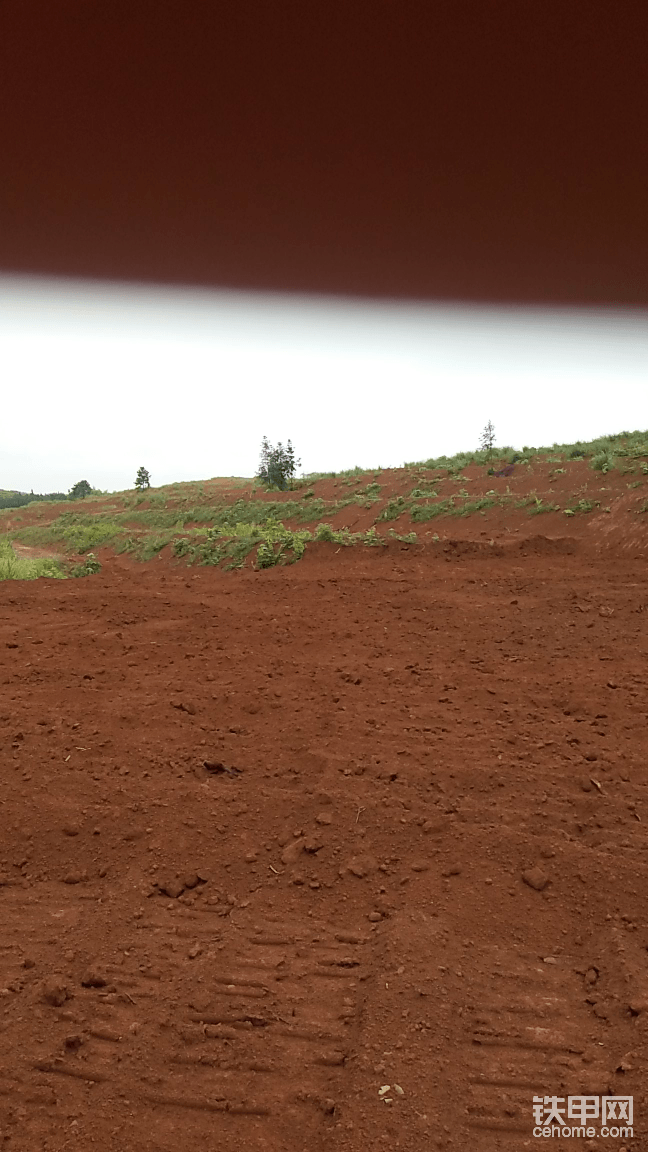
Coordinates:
[278,465]
[80,490]
[143,478]
[487,439]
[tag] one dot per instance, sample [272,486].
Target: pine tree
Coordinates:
[143,478]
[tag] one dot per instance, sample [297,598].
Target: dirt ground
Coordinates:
[342,856]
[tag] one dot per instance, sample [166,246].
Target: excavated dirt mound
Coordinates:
[342,856]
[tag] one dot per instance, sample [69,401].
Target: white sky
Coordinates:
[99,379]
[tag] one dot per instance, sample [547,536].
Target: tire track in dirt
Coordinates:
[249,956]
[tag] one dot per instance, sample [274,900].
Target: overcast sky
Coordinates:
[100,379]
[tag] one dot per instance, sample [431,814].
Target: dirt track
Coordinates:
[421,861]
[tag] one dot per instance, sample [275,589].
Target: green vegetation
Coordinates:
[90,566]
[267,524]
[20,499]
[14,567]
[393,509]
[278,464]
[633,445]
[422,512]
[487,439]
[80,533]
[80,490]
[537,505]
[581,506]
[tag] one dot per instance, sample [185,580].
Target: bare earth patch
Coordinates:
[342,856]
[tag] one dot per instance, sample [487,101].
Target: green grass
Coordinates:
[349,473]
[79,533]
[449,507]
[603,452]
[581,506]
[14,567]
[394,508]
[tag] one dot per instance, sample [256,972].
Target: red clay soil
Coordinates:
[342,856]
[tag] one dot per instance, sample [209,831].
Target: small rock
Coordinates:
[455,870]
[420,866]
[93,978]
[105,1032]
[217,768]
[323,818]
[293,850]
[586,784]
[535,878]
[172,888]
[313,844]
[73,1042]
[54,991]
[638,1005]
[75,878]
[362,866]
[185,706]
[375,917]
[71,829]
[547,853]
[190,880]
[132,834]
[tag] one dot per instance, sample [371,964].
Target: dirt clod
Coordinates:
[54,991]
[93,978]
[171,887]
[535,878]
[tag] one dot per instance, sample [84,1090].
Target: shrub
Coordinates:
[603,460]
[277,541]
[90,566]
[372,539]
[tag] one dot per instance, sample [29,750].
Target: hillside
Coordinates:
[596,493]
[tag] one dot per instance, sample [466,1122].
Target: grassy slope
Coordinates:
[222,521]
